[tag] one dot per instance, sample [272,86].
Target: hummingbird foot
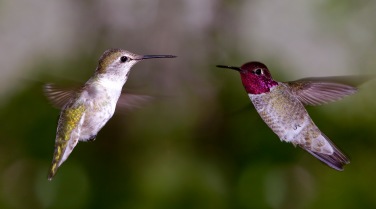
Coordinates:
[92,138]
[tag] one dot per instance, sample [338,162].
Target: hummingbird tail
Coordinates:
[63,149]
[336,160]
[55,163]
[52,172]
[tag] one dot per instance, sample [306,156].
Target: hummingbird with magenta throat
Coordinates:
[86,110]
[281,106]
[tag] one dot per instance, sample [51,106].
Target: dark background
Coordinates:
[194,146]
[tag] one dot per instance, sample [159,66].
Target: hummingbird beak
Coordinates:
[156,56]
[230,67]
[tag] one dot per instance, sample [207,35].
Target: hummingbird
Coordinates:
[86,110]
[281,106]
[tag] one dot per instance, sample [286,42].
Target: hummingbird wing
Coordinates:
[68,133]
[58,96]
[322,90]
[326,152]
[132,101]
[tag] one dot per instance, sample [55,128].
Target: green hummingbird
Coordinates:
[281,106]
[86,110]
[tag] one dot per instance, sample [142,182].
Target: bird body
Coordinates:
[86,110]
[288,118]
[281,106]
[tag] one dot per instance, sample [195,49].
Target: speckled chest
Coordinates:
[283,113]
[100,106]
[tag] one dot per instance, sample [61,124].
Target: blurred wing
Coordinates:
[321,90]
[58,96]
[129,101]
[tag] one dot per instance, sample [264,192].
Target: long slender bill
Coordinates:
[229,67]
[156,56]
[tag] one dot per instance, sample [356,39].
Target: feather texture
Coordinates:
[321,90]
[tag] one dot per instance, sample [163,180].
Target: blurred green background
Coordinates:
[194,146]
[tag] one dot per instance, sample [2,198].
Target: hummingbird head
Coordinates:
[255,76]
[118,62]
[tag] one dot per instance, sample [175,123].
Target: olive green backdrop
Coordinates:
[199,143]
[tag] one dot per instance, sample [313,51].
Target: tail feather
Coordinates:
[53,171]
[335,160]
[56,162]
[67,136]
[62,150]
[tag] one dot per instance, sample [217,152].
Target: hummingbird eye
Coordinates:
[123,59]
[258,71]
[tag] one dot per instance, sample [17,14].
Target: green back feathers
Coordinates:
[107,58]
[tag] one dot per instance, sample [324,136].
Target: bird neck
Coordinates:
[258,86]
[109,84]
